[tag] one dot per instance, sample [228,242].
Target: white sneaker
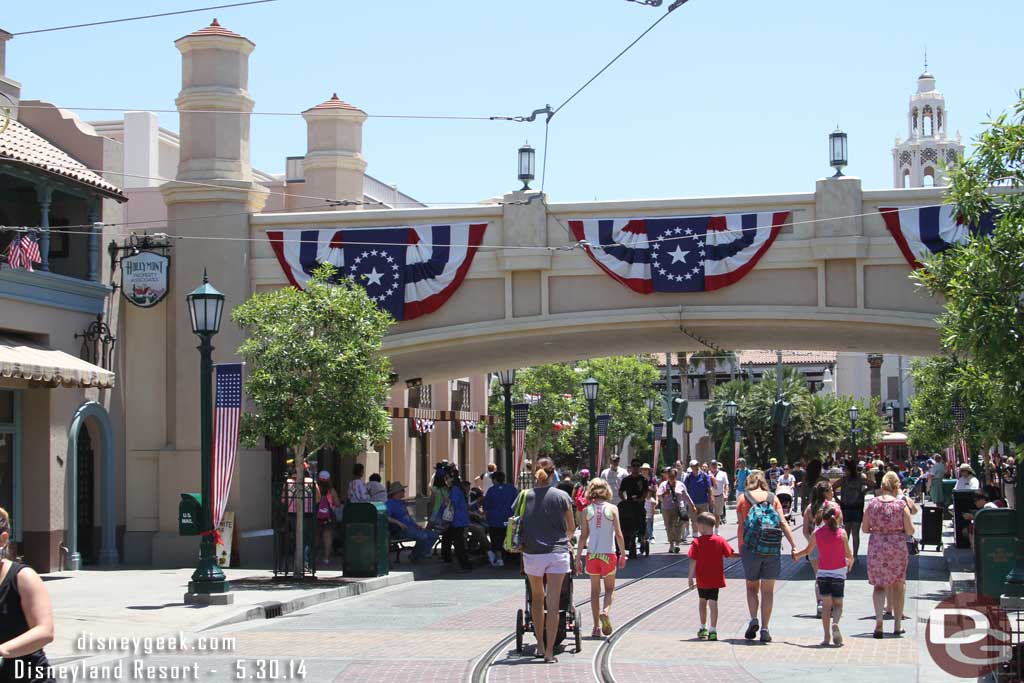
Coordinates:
[837,636]
[491,558]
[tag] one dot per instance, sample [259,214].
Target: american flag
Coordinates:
[965,451]
[659,428]
[226,414]
[602,435]
[520,418]
[24,251]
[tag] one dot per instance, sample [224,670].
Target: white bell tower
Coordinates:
[920,161]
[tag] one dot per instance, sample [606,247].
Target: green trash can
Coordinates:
[963,502]
[995,549]
[947,493]
[366,540]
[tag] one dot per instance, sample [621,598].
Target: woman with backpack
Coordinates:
[852,489]
[762,525]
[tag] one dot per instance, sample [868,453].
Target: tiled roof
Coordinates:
[214,29]
[767,357]
[19,144]
[335,103]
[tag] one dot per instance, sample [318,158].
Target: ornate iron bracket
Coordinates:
[97,343]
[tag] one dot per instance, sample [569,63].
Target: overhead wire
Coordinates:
[140,17]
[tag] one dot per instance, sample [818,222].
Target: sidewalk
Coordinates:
[140,603]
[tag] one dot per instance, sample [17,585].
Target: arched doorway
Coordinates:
[85,445]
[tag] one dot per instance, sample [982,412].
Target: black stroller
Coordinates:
[567,618]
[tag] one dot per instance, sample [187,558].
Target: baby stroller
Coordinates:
[567,618]
[785,496]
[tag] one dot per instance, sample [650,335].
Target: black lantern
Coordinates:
[507,377]
[730,410]
[590,389]
[205,306]
[527,164]
[837,151]
[854,413]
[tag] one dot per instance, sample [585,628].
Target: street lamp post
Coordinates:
[590,387]
[854,415]
[649,403]
[507,378]
[205,306]
[730,414]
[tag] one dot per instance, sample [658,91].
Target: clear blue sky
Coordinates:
[724,97]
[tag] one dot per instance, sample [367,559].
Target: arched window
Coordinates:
[927,122]
[914,118]
[929,177]
[906,179]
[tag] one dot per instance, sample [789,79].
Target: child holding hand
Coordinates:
[707,571]
[835,559]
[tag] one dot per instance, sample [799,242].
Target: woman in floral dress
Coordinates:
[887,520]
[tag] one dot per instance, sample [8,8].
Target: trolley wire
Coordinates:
[140,17]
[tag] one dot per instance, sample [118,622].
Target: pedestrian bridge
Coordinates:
[834,279]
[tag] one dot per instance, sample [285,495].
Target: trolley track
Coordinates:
[603,654]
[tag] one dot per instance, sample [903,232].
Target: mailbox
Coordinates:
[190,514]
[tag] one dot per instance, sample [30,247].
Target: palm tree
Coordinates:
[711,360]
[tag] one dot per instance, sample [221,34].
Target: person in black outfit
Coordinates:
[26,617]
[632,492]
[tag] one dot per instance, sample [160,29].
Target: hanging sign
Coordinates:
[144,278]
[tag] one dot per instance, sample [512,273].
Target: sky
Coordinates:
[724,97]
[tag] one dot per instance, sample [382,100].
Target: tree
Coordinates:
[316,371]
[710,360]
[983,280]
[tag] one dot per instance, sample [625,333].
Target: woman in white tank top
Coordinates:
[599,536]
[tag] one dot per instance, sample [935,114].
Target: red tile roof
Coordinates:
[19,144]
[215,29]
[335,103]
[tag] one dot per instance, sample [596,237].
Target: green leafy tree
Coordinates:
[983,281]
[316,372]
[941,381]
[710,361]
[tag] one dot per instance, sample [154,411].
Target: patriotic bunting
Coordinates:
[925,230]
[520,420]
[407,271]
[679,254]
[602,436]
[423,426]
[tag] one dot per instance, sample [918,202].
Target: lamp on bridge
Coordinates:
[507,378]
[527,164]
[837,151]
[590,387]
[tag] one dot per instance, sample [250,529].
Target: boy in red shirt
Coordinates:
[707,571]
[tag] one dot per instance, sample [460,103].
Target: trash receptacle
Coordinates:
[995,549]
[963,502]
[947,492]
[366,539]
[931,525]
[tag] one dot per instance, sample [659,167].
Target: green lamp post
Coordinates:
[205,307]
[590,387]
[507,378]
[854,413]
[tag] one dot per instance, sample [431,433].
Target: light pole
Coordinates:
[507,378]
[837,151]
[205,306]
[854,414]
[649,404]
[781,411]
[730,414]
[590,387]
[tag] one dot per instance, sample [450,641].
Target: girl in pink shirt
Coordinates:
[835,558]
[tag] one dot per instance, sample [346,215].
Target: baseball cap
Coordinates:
[324,475]
[694,463]
[615,457]
[645,466]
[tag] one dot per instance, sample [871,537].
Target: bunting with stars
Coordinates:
[679,254]
[407,271]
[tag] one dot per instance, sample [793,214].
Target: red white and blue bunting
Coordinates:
[679,254]
[920,231]
[407,271]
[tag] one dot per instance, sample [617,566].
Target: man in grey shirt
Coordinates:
[614,476]
[547,526]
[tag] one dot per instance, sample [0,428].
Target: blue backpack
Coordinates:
[762,529]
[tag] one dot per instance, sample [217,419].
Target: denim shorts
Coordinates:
[760,567]
[830,586]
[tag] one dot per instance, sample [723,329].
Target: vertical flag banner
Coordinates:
[965,452]
[950,457]
[227,412]
[659,429]
[23,251]
[736,456]
[520,419]
[602,435]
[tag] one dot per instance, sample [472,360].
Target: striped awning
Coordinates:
[22,358]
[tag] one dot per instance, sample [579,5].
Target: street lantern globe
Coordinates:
[837,151]
[826,377]
[889,411]
[590,389]
[205,306]
[649,402]
[507,377]
[527,164]
[854,413]
[730,409]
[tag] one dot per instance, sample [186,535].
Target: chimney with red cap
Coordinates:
[334,164]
